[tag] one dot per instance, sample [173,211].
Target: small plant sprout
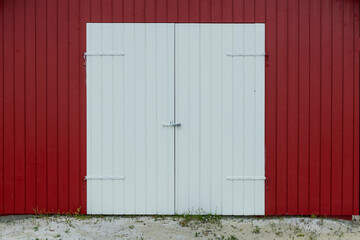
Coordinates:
[256,230]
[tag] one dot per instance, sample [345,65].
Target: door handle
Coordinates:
[172,124]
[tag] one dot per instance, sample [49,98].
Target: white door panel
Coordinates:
[208,77]
[220,102]
[128,99]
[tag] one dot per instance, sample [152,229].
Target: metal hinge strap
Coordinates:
[243,178]
[104,178]
[103,54]
[245,54]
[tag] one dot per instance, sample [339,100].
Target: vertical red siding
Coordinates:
[30,108]
[271,108]
[52,107]
[40,106]
[337,106]
[356,108]
[325,115]
[19,102]
[293,101]
[2,180]
[281,106]
[74,104]
[9,143]
[312,97]
[315,107]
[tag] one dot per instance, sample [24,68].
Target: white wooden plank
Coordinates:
[205,118]
[151,119]
[165,101]
[238,118]
[249,122]
[140,118]
[118,118]
[170,81]
[216,168]
[89,68]
[182,104]
[129,115]
[107,118]
[227,126]
[260,119]
[193,117]
[96,96]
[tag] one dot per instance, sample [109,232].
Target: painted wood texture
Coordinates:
[220,104]
[128,99]
[311,97]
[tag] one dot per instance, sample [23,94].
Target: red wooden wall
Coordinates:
[312,97]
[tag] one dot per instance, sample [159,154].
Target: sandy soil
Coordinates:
[226,228]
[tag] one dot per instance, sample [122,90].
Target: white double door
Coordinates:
[143,81]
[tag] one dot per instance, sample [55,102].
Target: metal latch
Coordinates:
[172,124]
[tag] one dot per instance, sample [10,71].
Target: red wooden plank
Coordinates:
[63,106]
[19,106]
[95,8]
[325,153]
[106,11]
[9,169]
[315,107]
[30,104]
[293,107]
[161,13]
[183,11]
[348,111]
[52,103]
[118,12]
[216,11]
[249,10]
[194,10]
[227,11]
[239,11]
[139,10]
[41,141]
[74,109]
[260,6]
[128,11]
[304,56]
[270,108]
[337,102]
[84,18]
[356,105]
[282,105]
[172,10]
[1,108]
[150,11]
[205,11]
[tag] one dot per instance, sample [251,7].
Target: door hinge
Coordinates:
[104,178]
[245,178]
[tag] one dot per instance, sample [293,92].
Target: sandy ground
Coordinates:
[224,228]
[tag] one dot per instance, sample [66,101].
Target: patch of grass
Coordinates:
[36,228]
[82,217]
[232,237]
[256,230]
[300,235]
[131,226]
[187,218]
